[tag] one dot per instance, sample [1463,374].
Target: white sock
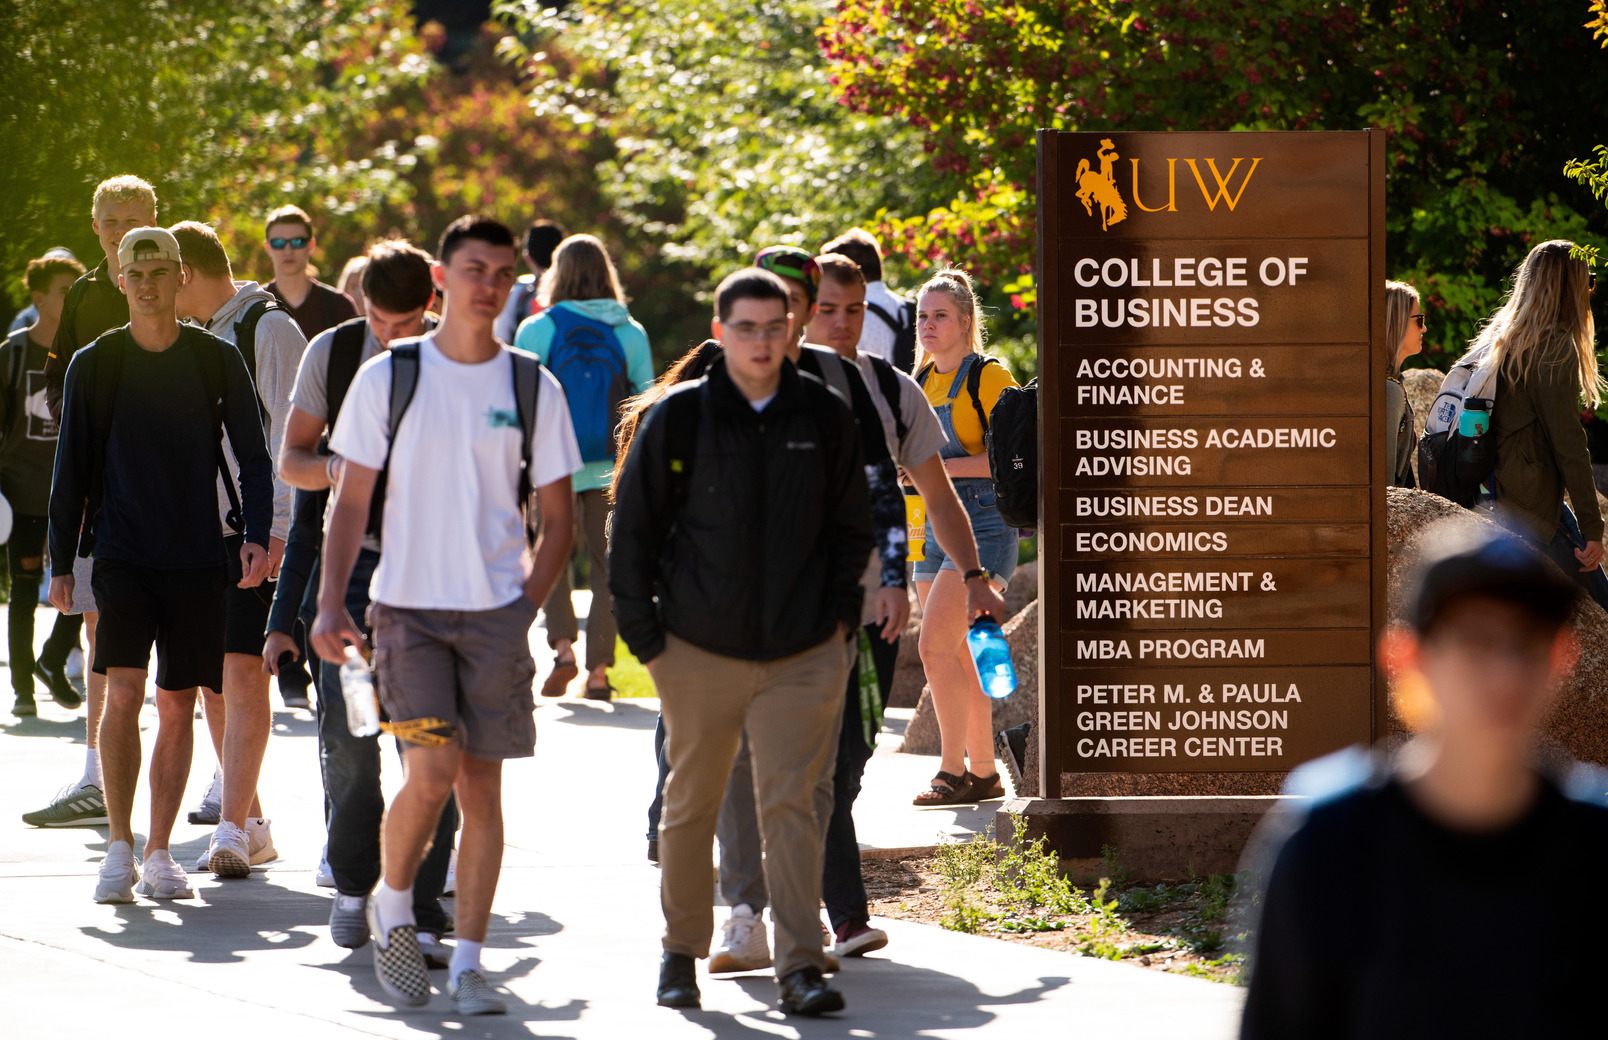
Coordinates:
[393,906]
[92,769]
[465,957]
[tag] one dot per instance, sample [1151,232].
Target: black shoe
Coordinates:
[678,982]
[653,850]
[1010,746]
[60,688]
[805,992]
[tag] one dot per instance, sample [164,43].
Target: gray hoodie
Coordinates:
[279,348]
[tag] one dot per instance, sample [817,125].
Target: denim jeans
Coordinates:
[351,768]
[1561,551]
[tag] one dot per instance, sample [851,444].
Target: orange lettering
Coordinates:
[1172,188]
[1222,183]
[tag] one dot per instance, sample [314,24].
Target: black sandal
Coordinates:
[945,789]
[982,788]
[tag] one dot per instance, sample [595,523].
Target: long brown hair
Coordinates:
[1399,300]
[683,369]
[581,270]
[1549,296]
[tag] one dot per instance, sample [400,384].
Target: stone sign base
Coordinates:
[1154,839]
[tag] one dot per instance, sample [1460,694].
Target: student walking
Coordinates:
[1404,334]
[238,714]
[482,429]
[94,305]
[889,330]
[136,471]
[740,534]
[27,457]
[398,285]
[962,384]
[289,240]
[1543,342]
[1440,837]
[541,238]
[599,354]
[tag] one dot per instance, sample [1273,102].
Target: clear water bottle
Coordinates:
[357,688]
[992,656]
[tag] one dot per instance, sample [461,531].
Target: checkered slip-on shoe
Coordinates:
[473,995]
[398,964]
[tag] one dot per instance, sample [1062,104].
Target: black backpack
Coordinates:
[245,331]
[108,369]
[345,358]
[527,376]
[904,333]
[1012,439]
[16,405]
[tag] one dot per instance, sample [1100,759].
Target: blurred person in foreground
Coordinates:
[1454,867]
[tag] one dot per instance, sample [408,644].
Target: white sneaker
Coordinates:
[228,855]
[75,663]
[118,874]
[744,945]
[324,877]
[451,886]
[259,846]
[163,878]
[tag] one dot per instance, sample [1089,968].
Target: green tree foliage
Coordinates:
[227,106]
[725,135]
[1483,101]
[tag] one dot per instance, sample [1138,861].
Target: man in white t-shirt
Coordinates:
[889,331]
[455,591]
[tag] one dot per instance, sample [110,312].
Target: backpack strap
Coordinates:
[345,358]
[107,368]
[15,405]
[210,362]
[974,382]
[682,415]
[245,332]
[888,384]
[404,381]
[527,393]
[881,312]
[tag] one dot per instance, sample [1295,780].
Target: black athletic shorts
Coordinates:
[247,627]
[181,610]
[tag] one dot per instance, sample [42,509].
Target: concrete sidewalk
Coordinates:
[575,928]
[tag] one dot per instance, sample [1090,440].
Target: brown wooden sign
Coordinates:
[1212,472]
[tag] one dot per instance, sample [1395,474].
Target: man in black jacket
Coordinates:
[740,534]
[137,460]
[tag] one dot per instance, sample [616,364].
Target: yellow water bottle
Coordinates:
[915,525]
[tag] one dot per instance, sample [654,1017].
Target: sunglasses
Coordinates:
[295,243]
[1418,319]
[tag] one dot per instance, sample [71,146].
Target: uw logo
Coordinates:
[1100,189]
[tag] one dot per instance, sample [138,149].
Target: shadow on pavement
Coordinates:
[37,726]
[234,921]
[620,714]
[927,1001]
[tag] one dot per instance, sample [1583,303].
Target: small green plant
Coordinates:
[1105,927]
[1028,876]
[964,915]
[1113,867]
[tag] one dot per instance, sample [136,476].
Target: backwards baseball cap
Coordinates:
[147,243]
[59,253]
[1464,559]
[791,262]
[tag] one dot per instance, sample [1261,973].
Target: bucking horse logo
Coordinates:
[1101,188]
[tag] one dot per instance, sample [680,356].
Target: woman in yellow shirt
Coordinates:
[949,328]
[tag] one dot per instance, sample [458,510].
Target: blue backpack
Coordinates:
[588,361]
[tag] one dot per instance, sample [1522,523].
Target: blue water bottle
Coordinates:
[992,655]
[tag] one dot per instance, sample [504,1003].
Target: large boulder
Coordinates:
[1022,589]
[1578,723]
[1021,633]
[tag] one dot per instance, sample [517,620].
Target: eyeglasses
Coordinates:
[1418,319]
[295,243]
[752,332]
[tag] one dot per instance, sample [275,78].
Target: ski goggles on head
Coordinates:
[791,262]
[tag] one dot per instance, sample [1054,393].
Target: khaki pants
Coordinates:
[789,709]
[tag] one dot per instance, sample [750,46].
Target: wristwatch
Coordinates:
[975,573]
